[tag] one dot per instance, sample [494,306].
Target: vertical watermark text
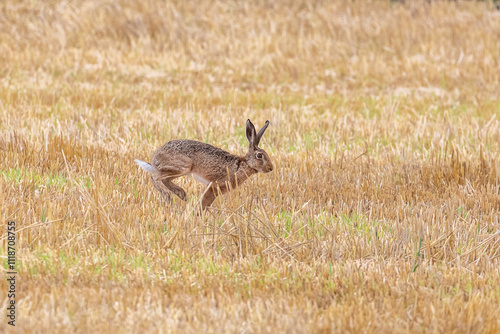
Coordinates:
[11,272]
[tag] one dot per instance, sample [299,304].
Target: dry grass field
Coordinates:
[382,212]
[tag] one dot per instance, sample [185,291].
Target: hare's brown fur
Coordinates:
[219,169]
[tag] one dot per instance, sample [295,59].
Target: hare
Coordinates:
[218,169]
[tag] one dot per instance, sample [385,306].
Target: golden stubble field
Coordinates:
[382,213]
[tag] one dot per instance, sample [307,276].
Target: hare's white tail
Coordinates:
[144,165]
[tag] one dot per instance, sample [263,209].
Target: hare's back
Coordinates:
[195,150]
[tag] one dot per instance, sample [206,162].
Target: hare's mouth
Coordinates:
[268,170]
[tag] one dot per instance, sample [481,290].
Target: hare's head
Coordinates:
[256,157]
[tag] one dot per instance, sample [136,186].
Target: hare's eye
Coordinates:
[259,155]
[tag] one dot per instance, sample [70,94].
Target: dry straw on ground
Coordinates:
[382,214]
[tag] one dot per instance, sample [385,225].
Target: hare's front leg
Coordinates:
[213,190]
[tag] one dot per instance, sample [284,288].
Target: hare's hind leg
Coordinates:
[175,189]
[163,181]
[164,191]
[166,187]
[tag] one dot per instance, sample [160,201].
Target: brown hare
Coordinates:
[218,169]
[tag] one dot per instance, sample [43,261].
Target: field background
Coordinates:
[382,213]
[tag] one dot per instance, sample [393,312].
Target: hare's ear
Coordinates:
[261,132]
[251,135]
